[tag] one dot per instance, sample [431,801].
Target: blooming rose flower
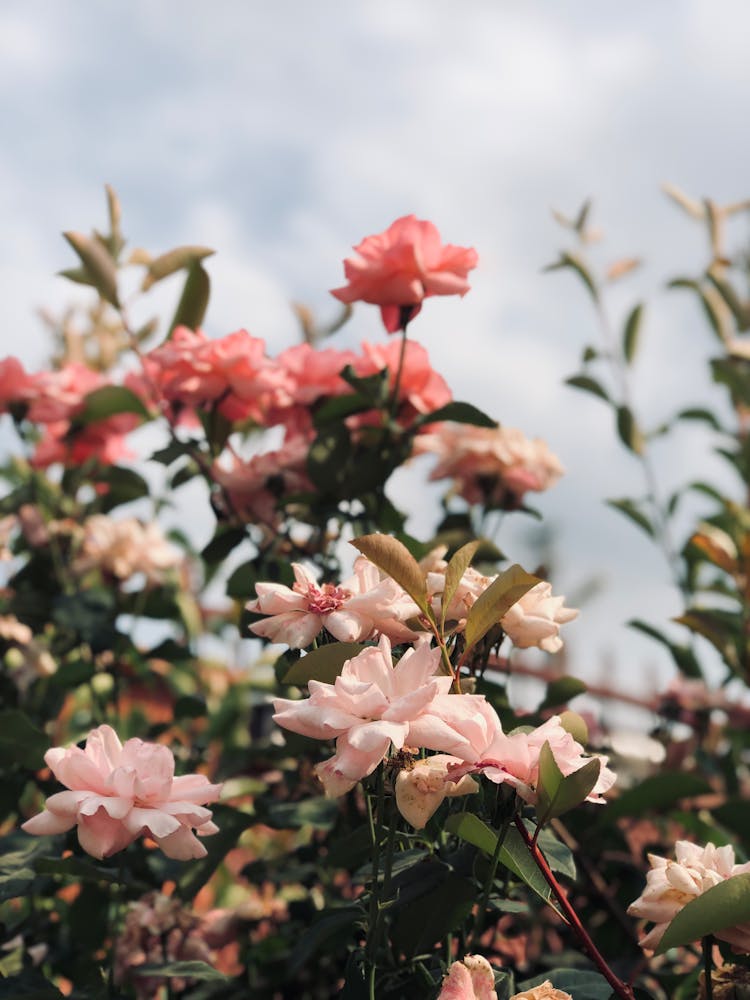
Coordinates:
[513,758]
[672,884]
[59,395]
[254,488]
[371,705]
[490,466]
[357,609]
[421,789]
[471,979]
[535,620]
[16,386]
[123,548]
[190,370]
[545,991]
[421,389]
[119,792]
[399,268]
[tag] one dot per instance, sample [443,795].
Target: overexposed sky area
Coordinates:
[283,133]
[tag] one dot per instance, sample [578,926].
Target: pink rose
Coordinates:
[672,884]
[471,979]
[374,704]
[421,789]
[16,386]
[513,758]
[490,466]
[256,487]
[421,389]
[117,793]
[535,620]
[546,991]
[399,268]
[357,609]
[58,396]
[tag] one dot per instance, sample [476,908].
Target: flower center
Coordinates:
[323,600]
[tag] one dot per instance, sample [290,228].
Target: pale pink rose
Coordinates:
[256,487]
[421,389]
[373,705]
[545,991]
[535,620]
[489,466]
[399,268]
[513,758]
[120,792]
[672,884]
[471,585]
[124,548]
[357,609]
[471,979]
[420,790]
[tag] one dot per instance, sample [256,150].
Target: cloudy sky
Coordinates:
[282,133]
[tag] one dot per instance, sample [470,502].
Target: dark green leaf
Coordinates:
[724,905]
[630,334]
[108,402]
[459,413]
[561,691]
[628,430]
[558,793]
[20,741]
[631,510]
[655,794]
[318,812]
[332,931]
[334,410]
[697,413]
[683,656]
[427,918]
[323,663]
[194,299]
[574,262]
[184,970]
[588,384]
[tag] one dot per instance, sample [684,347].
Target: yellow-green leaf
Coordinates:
[173,261]
[499,597]
[455,569]
[724,905]
[97,263]
[396,561]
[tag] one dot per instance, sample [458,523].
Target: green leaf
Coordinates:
[724,905]
[396,561]
[124,485]
[334,929]
[78,869]
[333,410]
[710,303]
[20,740]
[458,413]
[655,794]
[740,310]
[194,299]
[426,919]
[558,793]
[698,413]
[173,261]
[514,854]
[734,373]
[683,656]
[630,334]
[588,384]
[192,969]
[631,510]
[561,691]
[492,604]
[319,812]
[97,264]
[323,663]
[454,571]
[574,263]
[559,857]
[628,430]
[30,985]
[721,628]
[109,401]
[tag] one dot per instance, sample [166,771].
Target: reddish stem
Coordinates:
[621,989]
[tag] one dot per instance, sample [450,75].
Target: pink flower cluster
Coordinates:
[404,265]
[120,792]
[374,705]
[494,467]
[55,399]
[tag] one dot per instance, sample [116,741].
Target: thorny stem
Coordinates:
[622,990]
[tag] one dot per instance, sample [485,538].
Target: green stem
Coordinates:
[376,833]
[481,913]
[708,964]
[397,380]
